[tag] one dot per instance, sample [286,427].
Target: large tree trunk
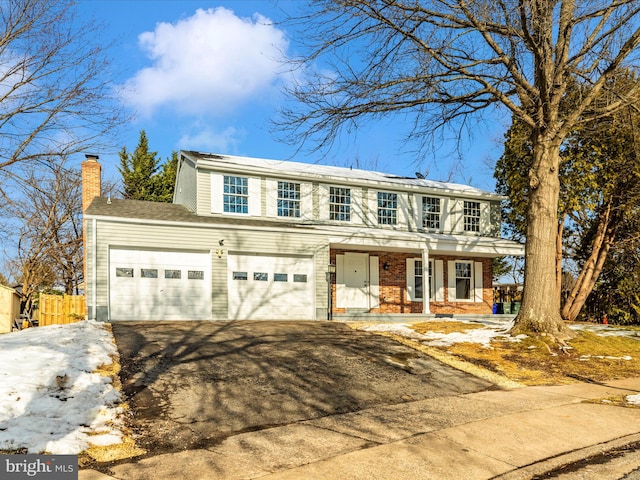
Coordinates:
[559,257]
[540,310]
[592,268]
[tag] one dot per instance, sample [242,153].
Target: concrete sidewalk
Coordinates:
[508,434]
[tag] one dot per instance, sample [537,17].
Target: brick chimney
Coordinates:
[91,186]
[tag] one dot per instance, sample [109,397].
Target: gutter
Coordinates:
[94,273]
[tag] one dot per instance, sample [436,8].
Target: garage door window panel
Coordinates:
[195,275]
[149,272]
[172,274]
[260,276]
[280,277]
[240,276]
[299,278]
[124,272]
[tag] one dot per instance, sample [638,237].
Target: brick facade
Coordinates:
[393,285]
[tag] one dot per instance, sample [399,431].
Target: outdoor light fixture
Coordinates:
[331,271]
[385,266]
[219,252]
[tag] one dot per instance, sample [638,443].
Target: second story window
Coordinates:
[340,204]
[236,195]
[431,213]
[471,216]
[387,208]
[288,199]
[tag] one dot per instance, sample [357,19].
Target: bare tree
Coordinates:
[54,85]
[446,61]
[47,221]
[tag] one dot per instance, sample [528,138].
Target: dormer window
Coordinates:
[236,194]
[431,213]
[340,204]
[288,199]
[471,216]
[387,208]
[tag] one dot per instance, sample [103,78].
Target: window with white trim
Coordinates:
[236,194]
[340,204]
[416,283]
[288,199]
[431,212]
[464,280]
[471,216]
[387,208]
[418,277]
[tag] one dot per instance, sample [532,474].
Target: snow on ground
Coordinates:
[633,399]
[50,399]
[483,336]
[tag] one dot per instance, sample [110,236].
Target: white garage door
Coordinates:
[159,285]
[266,287]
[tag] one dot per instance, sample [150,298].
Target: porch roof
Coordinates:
[436,243]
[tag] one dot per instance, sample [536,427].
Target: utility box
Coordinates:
[9,308]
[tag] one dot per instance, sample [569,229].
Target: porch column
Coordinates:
[426,286]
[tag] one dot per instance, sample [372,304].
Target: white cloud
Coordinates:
[211,140]
[207,63]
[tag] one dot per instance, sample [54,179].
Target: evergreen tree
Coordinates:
[143,177]
[166,179]
[137,170]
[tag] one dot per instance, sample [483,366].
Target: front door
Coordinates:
[356,280]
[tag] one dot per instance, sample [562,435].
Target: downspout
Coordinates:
[94,274]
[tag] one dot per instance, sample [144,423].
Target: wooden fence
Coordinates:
[59,309]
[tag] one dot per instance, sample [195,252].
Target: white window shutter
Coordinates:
[272,197]
[439,280]
[445,219]
[451,280]
[485,218]
[411,279]
[323,202]
[357,206]
[418,210]
[340,297]
[373,207]
[306,201]
[255,197]
[374,282]
[477,284]
[217,192]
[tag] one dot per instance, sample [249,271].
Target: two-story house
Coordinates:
[249,238]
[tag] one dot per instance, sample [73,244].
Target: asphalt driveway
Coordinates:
[193,384]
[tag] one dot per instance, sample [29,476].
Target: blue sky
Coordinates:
[200,75]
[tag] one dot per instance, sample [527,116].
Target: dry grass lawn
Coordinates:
[534,361]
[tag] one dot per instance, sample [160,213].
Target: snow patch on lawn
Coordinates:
[482,336]
[50,398]
[633,399]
